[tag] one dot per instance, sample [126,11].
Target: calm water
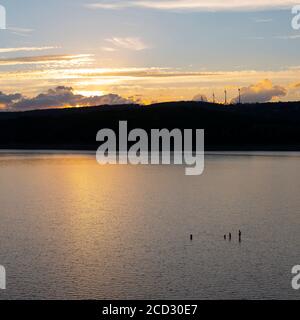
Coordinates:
[72,229]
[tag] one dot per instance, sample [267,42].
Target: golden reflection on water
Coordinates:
[71,228]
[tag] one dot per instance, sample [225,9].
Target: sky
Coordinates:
[61,53]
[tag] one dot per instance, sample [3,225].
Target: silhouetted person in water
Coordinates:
[191,237]
[229,236]
[240,236]
[224,236]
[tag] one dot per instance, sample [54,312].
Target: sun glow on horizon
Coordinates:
[90,93]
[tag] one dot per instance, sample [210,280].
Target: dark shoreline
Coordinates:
[247,127]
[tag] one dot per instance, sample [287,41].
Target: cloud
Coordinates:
[8,50]
[8,99]
[17,29]
[153,72]
[263,20]
[109,49]
[23,32]
[256,38]
[289,37]
[200,5]
[79,58]
[58,98]
[129,43]
[153,83]
[200,97]
[263,91]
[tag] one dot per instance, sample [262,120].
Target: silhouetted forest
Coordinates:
[269,126]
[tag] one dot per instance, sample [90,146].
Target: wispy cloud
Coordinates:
[48,59]
[201,5]
[263,20]
[25,49]
[288,37]
[128,43]
[256,38]
[24,32]
[109,49]
[132,73]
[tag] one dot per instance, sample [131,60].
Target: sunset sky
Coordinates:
[84,52]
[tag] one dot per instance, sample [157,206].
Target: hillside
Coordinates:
[270,126]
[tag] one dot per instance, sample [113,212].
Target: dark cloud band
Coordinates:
[57,98]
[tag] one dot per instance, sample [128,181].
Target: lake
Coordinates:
[72,229]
